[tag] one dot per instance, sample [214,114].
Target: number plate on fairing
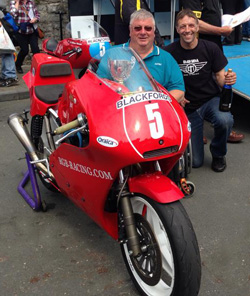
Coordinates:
[135,98]
[150,121]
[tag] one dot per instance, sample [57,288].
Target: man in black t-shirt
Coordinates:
[202,64]
[209,14]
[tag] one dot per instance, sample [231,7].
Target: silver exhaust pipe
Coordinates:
[17,124]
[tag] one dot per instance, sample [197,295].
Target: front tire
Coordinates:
[169,264]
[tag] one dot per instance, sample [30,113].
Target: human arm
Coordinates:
[174,82]
[103,70]
[14,7]
[16,4]
[178,95]
[36,17]
[127,8]
[206,28]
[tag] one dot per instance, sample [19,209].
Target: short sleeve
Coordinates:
[194,5]
[173,76]
[219,60]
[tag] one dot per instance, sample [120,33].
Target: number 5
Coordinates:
[156,127]
[102,49]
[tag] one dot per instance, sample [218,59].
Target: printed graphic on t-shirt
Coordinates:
[191,67]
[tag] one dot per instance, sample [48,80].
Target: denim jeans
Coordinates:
[222,123]
[24,40]
[8,66]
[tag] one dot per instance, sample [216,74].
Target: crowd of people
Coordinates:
[26,15]
[200,39]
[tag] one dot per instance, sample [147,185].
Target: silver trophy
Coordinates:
[120,69]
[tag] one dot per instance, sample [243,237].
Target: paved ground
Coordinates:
[62,252]
[15,92]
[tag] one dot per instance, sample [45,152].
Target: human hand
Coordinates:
[226,30]
[184,102]
[230,78]
[34,20]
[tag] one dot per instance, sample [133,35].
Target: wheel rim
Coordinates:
[164,286]
[148,264]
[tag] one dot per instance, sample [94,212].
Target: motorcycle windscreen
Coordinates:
[124,66]
[84,28]
[151,123]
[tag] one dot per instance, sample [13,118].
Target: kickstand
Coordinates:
[35,203]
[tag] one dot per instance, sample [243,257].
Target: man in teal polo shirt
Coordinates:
[160,63]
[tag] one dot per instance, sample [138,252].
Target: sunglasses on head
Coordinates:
[146,28]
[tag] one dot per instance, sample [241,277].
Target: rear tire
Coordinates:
[168,243]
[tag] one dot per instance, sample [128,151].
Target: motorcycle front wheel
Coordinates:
[169,264]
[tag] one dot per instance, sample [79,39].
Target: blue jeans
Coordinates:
[8,66]
[246,25]
[222,123]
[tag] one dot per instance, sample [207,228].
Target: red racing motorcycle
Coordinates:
[107,141]
[85,42]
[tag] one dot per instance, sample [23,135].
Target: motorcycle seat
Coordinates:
[49,94]
[51,44]
[55,70]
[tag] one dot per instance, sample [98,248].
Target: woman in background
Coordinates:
[26,16]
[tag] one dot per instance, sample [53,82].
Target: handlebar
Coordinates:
[80,121]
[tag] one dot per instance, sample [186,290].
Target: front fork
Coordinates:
[127,218]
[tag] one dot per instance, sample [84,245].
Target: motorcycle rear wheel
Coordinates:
[180,268]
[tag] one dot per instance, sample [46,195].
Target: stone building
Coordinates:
[101,10]
[50,16]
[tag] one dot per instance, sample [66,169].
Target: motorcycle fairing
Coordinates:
[73,168]
[156,130]
[87,40]
[66,47]
[98,101]
[78,51]
[97,48]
